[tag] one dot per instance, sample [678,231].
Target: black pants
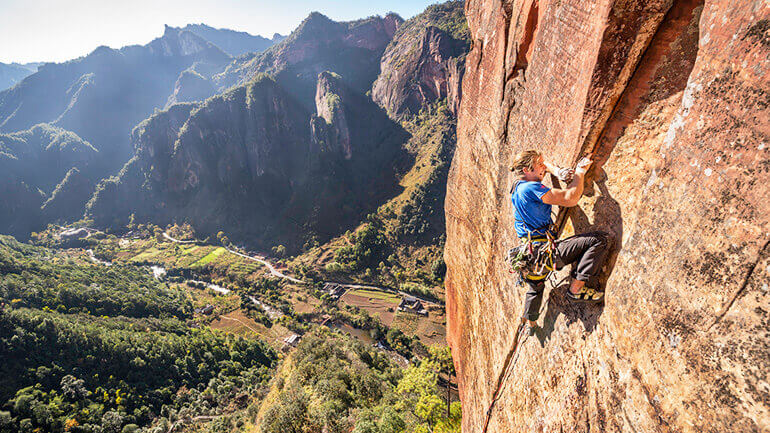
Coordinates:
[587,251]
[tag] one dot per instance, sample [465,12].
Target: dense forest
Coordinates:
[335,384]
[95,348]
[90,348]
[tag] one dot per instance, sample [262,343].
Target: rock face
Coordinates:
[190,87]
[671,99]
[227,159]
[423,63]
[68,201]
[333,132]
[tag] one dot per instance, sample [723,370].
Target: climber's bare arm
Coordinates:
[570,195]
[562,173]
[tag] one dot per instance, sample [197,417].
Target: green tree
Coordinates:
[279,251]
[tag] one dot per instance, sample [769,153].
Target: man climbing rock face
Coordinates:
[532,202]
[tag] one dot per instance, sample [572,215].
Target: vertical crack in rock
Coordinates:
[518,50]
[507,99]
[596,141]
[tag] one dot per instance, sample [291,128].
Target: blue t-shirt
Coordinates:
[532,215]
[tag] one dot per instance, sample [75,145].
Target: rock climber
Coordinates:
[532,203]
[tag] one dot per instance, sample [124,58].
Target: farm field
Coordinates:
[209,259]
[236,322]
[431,330]
[377,304]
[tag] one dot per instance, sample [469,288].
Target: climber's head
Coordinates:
[528,165]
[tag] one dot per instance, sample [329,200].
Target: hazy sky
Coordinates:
[58,30]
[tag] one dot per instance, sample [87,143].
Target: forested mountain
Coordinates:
[266,160]
[246,160]
[296,154]
[351,49]
[97,100]
[33,163]
[273,164]
[12,73]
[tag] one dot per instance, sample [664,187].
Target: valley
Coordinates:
[225,271]
[218,290]
[250,240]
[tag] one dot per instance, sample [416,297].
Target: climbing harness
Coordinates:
[533,259]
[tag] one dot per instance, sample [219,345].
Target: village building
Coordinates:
[292,340]
[410,304]
[208,309]
[334,290]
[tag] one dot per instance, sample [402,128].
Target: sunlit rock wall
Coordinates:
[670,97]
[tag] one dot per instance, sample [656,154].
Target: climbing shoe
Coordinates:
[586,294]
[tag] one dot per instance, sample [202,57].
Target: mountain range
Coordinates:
[278,141]
[12,73]
[98,98]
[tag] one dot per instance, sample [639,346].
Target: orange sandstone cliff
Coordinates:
[671,98]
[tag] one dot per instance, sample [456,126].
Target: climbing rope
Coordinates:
[510,362]
[512,355]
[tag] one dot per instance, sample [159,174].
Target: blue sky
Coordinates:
[59,30]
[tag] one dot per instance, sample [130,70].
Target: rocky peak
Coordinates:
[319,44]
[670,99]
[423,63]
[234,43]
[184,43]
[392,22]
[333,133]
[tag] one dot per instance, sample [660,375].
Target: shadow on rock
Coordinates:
[608,217]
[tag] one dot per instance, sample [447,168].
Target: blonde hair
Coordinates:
[524,160]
